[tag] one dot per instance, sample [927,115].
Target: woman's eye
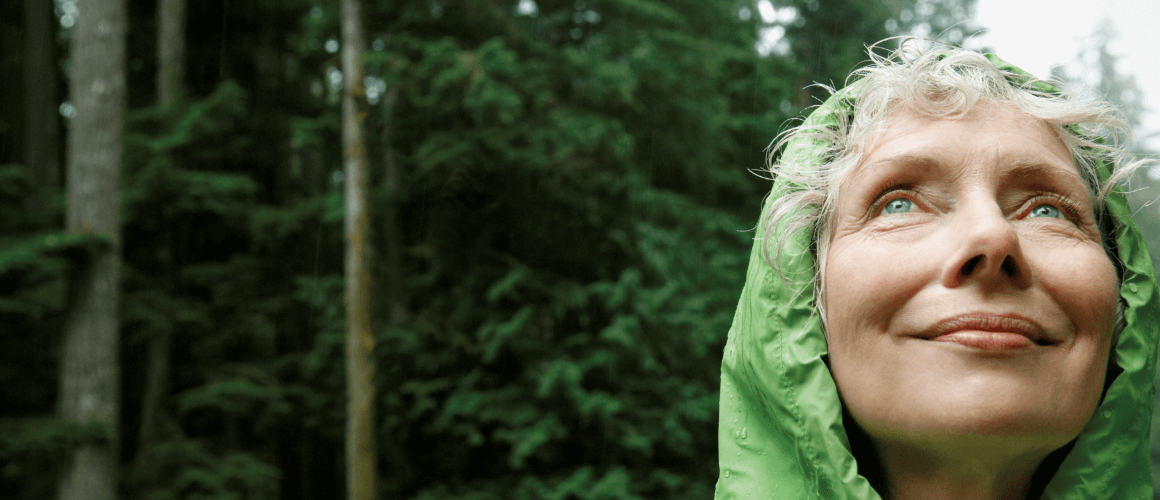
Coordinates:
[898,206]
[1046,211]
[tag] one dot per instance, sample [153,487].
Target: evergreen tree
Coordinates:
[563,196]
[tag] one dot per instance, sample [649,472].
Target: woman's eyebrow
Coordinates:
[1054,176]
[909,160]
[909,165]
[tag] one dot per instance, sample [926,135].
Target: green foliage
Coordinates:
[34,260]
[47,254]
[573,204]
[573,305]
[184,470]
[32,450]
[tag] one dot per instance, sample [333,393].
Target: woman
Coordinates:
[947,299]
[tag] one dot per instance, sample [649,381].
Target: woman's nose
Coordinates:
[985,249]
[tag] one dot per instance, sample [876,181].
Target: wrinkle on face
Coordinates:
[973,184]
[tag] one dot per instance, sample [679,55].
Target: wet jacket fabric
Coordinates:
[781,433]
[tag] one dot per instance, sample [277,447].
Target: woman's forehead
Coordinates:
[990,134]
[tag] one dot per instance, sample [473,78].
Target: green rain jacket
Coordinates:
[781,433]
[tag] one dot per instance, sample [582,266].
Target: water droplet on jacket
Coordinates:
[1107,413]
[743,433]
[1132,287]
[726,473]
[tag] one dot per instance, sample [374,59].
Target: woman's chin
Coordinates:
[985,410]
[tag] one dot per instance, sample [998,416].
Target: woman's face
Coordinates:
[968,297]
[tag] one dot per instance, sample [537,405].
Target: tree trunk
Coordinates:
[89,372]
[170,50]
[170,89]
[275,134]
[156,381]
[396,298]
[41,147]
[360,438]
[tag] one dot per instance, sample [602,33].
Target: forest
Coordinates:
[557,200]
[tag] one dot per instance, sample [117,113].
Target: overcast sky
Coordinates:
[1035,37]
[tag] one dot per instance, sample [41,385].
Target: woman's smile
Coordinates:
[965,283]
[990,332]
[1004,342]
[948,297]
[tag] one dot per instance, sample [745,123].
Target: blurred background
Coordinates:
[562,200]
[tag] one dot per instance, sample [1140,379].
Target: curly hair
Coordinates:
[937,82]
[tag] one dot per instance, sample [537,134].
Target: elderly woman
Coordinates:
[947,299]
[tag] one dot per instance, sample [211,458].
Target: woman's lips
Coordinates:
[989,331]
[987,341]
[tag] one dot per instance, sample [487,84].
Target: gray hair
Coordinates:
[945,82]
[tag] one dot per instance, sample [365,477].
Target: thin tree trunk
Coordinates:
[89,370]
[156,381]
[170,85]
[396,292]
[41,147]
[275,134]
[360,439]
[170,50]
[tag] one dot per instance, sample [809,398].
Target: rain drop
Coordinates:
[743,433]
[67,110]
[726,473]
[1107,413]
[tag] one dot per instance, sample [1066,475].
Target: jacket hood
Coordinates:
[781,433]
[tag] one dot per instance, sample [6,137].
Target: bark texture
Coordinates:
[360,342]
[42,140]
[89,370]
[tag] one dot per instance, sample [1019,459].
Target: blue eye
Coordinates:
[1046,211]
[898,206]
